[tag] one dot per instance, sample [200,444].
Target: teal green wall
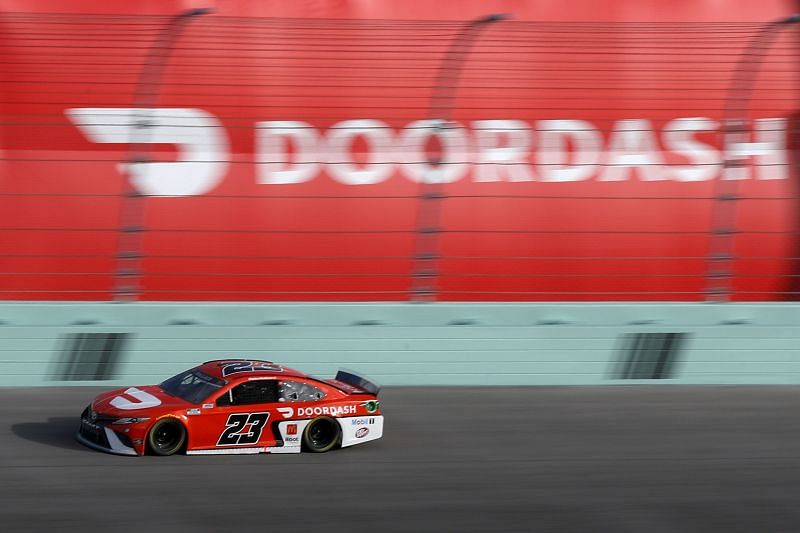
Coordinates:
[411,344]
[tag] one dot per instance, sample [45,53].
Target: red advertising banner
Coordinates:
[357,151]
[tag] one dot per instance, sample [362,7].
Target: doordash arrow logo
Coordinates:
[200,139]
[287,412]
[144,400]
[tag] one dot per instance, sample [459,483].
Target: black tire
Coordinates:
[166,437]
[322,434]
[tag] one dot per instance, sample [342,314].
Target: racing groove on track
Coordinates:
[628,459]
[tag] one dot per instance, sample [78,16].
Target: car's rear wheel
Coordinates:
[166,437]
[322,435]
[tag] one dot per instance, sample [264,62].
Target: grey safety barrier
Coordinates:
[407,343]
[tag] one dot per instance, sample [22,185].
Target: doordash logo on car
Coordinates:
[290,152]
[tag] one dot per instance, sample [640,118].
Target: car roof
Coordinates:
[228,369]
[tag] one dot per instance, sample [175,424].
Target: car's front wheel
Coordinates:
[322,434]
[166,437]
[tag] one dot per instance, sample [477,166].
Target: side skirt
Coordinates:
[245,451]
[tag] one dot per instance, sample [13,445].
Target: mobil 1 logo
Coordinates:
[242,429]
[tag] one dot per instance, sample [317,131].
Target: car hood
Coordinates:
[135,400]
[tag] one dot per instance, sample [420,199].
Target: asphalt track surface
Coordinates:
[616,459]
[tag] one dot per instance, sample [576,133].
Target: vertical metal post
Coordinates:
[792,286]
[726,192]
[424,286]
[129,249]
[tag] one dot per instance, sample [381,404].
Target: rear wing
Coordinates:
[353,382]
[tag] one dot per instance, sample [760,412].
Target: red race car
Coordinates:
[235,406]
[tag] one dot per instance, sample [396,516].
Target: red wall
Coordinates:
[628,71]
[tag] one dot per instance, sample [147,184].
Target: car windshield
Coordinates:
[193,386]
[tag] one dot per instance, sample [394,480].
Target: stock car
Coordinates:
[235,406]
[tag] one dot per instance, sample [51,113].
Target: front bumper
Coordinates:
[101,438]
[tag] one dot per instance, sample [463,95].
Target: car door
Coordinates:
[240,417]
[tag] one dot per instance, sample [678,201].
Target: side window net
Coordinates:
[250,392]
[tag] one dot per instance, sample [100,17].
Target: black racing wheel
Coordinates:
[166,437]
[322,434]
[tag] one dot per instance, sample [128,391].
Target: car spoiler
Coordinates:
[354,383]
